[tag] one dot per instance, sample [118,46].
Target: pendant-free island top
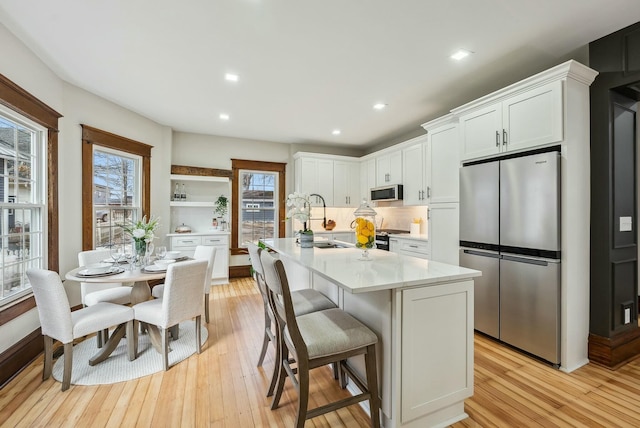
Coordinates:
[421,310]
[385,271]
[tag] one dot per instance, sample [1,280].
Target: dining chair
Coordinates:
[96,292]
[315,340]
[304,302]
[59,323]
[202,252]
[181,301]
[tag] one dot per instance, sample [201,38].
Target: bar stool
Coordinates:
[315,340]
[304,302]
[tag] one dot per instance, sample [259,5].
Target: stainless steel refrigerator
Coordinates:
[510,230]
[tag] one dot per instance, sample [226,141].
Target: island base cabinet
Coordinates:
[436,367]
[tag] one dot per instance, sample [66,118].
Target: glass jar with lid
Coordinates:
[365,229]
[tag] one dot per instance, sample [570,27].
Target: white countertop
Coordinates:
[386,270]
[209,232]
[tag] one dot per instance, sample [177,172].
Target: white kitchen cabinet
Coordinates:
[346,183]
[420,248]
[187,243]
[444,232]
[442,161]
[520,118]
[389,168]
[367,178]
[315,175]
[414,173]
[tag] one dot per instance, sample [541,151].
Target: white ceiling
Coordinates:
[306,67]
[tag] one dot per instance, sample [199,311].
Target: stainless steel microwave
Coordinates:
[387,193]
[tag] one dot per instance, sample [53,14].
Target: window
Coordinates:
[258,192]
[115,186]
[116,195]
[257,208]
[22,203]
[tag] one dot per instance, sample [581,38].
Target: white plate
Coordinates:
[91,273]
[97,268]
[155,268]
[172,255]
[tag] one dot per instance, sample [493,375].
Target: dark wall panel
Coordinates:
[624,163]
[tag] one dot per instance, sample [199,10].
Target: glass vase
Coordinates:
[141,250]
[365,229]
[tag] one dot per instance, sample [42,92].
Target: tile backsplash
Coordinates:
[392,217]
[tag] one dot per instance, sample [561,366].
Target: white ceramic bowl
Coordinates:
[164,263]
[172,255]
[98,268]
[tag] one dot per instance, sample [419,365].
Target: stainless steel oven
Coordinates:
[382,237]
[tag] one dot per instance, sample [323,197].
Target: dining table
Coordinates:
[140,292]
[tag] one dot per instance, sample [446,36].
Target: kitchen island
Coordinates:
[421,310]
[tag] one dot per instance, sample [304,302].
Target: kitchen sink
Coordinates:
[329,245]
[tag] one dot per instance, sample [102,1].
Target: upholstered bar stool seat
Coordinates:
[332,331]
[310,300]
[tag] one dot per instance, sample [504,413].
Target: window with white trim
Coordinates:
[23,201]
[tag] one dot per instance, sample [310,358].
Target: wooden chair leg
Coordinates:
[48,357]
[282,376]
[99,341]
[266,339]
[303,394]
[372,385]
[135,337]
[132,347]
[165,348]
[68,364]
[206,307]
[198,333]
[277,365]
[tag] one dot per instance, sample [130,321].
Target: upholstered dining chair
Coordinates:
[304,302]
[58,322]
[202,252]
[315,340]
[180,301]
[96,292]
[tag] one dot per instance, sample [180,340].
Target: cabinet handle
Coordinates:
[497,139]
[185,242]
[504,136]
[428,213]
[428,192]
[413,246]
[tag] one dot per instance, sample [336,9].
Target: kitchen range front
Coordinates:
[422,312]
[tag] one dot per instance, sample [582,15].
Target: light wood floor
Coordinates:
[222,387]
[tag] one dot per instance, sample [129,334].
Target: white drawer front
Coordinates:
[215,240]
[186,241]
[414,248]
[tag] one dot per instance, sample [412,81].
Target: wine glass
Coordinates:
[161,251]
[116,254]
[130,256]
[148,254]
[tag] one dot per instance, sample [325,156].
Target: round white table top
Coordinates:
[135,275]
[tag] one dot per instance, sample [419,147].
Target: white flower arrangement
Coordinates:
[142,230]
[299,207]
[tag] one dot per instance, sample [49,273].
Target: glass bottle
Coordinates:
[183,194]
[365,229]
[176,193]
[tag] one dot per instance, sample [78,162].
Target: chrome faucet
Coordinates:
[324,208]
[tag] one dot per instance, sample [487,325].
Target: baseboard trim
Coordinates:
[19,356]
[614,352]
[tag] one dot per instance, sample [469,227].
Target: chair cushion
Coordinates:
[309,300]
[332,331]
[149,312]
[157,291]
[98,317]
[117,295]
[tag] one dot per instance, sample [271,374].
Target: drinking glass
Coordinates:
[116,254]
[161,251]
[130,256]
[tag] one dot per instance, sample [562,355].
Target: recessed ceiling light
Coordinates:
[379,106]
[231,77]
[336,132]
[224,116]
[460,53]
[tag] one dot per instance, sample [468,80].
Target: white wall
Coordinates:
[210,151]
[78,107]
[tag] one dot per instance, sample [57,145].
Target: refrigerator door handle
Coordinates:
[482,254]
[525,260]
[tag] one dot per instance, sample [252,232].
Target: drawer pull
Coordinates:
[413,246]
[185,242]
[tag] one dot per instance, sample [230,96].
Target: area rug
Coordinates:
[118,368]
